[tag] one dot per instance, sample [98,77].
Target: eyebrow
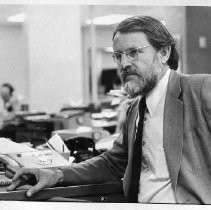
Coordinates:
[131,48]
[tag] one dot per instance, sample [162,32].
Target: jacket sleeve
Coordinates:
[109,166]
[206,100]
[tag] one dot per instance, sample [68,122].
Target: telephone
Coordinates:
[81,148]
[4,180]
[9,162]
[10,167]
[12,162]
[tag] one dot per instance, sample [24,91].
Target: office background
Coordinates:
[53,53]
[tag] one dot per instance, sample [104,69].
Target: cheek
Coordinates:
[144,66]
[141,67]
[158,58]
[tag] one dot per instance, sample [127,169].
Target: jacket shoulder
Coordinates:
[194,80]
[194,77]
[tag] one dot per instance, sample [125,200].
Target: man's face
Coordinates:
[5,93]
[140,76]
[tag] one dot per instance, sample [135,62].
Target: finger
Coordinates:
[9,174]
[24,187]
[36,188]
[14,185]
[23,171]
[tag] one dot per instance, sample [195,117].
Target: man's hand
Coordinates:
[45,178]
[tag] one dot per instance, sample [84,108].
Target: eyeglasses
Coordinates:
[132,54]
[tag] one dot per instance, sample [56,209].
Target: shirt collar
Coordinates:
[156,94]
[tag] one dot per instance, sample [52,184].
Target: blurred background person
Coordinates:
[11,102]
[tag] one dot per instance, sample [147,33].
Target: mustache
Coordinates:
[124,72]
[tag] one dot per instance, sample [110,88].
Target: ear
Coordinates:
[165,54]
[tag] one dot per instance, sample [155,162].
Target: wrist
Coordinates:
[59,175]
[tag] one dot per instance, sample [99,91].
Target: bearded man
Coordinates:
[163,151]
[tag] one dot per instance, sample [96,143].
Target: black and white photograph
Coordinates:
[105,104]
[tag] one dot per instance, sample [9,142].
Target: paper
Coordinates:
[42,160]
[106,143]
[56,143]
[83,129]
[9,146]
[104,114]
[118,93]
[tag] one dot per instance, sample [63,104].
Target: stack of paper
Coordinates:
[9,146]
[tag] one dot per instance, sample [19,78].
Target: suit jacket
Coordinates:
[186,138]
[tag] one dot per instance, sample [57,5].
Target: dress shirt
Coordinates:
[155,182]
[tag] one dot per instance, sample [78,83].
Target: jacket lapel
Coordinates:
[132,126]
[173,127]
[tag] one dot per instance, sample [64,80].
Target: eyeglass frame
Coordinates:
[125,52]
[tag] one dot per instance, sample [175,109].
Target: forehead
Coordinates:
[124,41]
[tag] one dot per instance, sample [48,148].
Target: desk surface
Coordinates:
[74,192]
[53,117]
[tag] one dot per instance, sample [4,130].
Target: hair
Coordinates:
[9,86]
[156,32]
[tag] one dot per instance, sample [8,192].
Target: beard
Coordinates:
[141,82]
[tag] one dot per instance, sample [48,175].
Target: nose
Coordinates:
[124,61]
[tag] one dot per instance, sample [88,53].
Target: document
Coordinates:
[56,143]
[9,146]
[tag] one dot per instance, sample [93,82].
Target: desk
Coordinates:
[41,127]
[105,124]
[33,130]
[107,192]
[37,128]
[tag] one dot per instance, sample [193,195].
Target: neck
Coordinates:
[164,69]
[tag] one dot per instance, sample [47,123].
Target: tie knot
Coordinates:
[142,104]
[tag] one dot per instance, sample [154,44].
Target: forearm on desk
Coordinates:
[91,171]
[87,172]
[107,167]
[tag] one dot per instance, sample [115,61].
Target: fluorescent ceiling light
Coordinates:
[108,19]
[19,18]
[108,49]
